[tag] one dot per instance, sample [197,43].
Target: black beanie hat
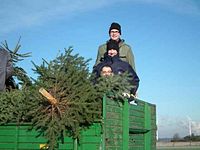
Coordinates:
[115,25]
[112,45]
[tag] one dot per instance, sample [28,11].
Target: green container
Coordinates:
[123,127]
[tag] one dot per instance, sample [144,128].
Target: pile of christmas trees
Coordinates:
[62,100]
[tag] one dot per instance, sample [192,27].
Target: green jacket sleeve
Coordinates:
[100,53]
[130,58]
[126,54]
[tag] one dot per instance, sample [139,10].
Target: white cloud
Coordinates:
[169,125]
[195,128]
[22,13]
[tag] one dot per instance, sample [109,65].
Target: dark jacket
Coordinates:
[118,67]
[6,68]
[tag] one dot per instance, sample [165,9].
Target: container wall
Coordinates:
[91,138]
[113,126]
[142,126]
[14,137]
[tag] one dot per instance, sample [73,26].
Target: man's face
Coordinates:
[112,52]
[106,71]
[114,34]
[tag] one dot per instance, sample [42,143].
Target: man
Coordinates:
[125,52]
[106,71]
[6,68]
[117,66]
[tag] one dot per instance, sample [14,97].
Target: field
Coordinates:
[178,145]
[178,148]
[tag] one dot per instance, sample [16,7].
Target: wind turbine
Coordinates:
[189,125]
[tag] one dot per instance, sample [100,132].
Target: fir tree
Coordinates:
[13,107]
[114,86]
[70,104]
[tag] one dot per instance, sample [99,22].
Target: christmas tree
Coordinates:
[115,87]
[64,98]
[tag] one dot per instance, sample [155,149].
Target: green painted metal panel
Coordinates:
[27,140]
[142,126]
[113,125]
[148,127]
[125,125]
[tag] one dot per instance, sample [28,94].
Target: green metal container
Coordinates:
[123,127]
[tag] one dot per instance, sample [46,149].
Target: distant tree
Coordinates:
[176,137]
[192,137]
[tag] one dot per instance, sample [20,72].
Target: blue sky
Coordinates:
[164,36]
